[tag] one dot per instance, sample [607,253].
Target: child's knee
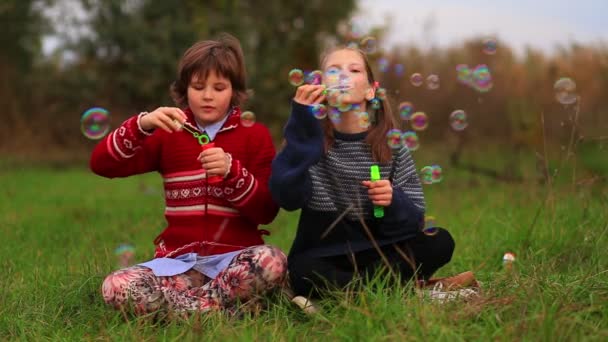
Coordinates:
[446,244]
[114,289]
[118,286]
[272,263]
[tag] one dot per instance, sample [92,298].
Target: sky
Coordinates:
[542,24]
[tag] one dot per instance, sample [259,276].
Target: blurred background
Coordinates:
[531,77]
[515,131]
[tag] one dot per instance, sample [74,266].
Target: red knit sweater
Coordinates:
[202,217]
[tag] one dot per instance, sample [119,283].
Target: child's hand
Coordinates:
[380,192]
[164,118]
[215,161]
[309,94]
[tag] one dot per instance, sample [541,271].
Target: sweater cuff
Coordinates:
[402,211]
[124,141]
[141,130]
[239,185]
[302,122]
[229,169]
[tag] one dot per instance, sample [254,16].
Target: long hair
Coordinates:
[384,119]
[223,56]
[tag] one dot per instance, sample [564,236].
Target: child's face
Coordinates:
[347,67]
[209,99]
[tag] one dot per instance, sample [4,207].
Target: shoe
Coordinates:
[305,304]
[459,281]
[440,295]
[442,290]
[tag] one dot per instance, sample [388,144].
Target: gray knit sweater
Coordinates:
[324,185]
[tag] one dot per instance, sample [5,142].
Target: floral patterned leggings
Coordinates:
[252,273]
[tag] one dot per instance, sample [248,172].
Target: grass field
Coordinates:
[59,227]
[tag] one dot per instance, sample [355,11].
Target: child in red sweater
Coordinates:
[215,170]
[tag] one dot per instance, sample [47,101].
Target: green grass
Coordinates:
[59,227]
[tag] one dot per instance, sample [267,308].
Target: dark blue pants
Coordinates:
[309,274]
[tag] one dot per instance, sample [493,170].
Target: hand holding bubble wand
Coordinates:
[375,176]
[205,142]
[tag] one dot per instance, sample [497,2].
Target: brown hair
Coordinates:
[384,119]
[223,56]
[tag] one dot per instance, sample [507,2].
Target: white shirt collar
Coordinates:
[212,129]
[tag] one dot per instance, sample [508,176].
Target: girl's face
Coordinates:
[209,99]
[345,70]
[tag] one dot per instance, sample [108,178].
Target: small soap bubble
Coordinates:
[436,173]
[381,94]
[565,91]
[432,82]
[355,29]
[431,174]
[426,175]
[430,222]
[364,121]
[353,45]
[416,79]
[369,45]
[482,78]
[344,82]
[489,46]
[95,123]
[332,77]
[343,106]
[410,140]
[383,64]
[375,103]
[333,97]
[458,120]
[314,77]
[335,115]
[399,70]
[296,77]
[393,139]
[319,110]
[406,110]
[464,74]
[419,121]
[124,253]
[247,118]
[430,231]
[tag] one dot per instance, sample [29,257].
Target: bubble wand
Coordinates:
[375,176]
[205,142]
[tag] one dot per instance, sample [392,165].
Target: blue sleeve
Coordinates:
[405,214]
[290,182]
[401,215]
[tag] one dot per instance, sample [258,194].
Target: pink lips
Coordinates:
[207,108]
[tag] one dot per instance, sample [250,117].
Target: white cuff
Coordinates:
[143,131]
[229,156]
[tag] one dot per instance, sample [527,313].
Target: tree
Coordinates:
[20,44]
[131,56]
